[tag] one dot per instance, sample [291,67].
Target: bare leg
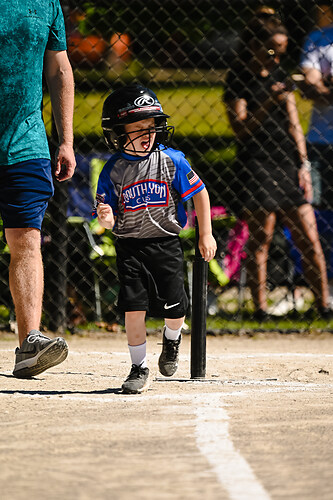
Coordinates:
[303,227]
[261,229]
[174,324]
[135,327]
[26,278]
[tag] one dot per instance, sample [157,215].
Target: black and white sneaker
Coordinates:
[168,360]
[38,353]
[137,380]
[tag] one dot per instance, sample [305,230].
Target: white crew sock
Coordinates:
[172,334]
[138,354]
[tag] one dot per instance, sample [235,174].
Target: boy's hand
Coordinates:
[207,246]
[105,215]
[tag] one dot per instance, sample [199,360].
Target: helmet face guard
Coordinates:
[130,104]
[118,139]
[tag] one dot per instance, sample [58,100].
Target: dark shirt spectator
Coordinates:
[272,169]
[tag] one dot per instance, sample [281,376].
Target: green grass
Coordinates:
[195,111]
[217,324]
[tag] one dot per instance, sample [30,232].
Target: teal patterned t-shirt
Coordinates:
[27,29]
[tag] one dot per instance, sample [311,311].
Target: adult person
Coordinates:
[32,37]
[317,66]
[272,168]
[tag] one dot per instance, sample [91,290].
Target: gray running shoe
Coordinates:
[137,380]
[38,353]
[168,361]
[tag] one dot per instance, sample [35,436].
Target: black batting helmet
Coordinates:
[129,104]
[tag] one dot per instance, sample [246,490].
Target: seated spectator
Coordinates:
[272,169]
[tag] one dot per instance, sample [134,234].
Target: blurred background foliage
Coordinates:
[182,50]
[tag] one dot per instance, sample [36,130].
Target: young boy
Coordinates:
[139,195]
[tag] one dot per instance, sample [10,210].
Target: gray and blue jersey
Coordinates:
[147,193]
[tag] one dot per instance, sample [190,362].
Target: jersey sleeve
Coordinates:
[57,34]
[186,181]
[310,55]
[105,191]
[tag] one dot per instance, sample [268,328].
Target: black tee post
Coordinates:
[199,312]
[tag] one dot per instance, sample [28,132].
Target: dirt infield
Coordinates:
[260,426]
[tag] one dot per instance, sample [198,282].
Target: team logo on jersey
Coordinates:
[144,194]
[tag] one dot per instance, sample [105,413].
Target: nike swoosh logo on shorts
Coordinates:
[172,305]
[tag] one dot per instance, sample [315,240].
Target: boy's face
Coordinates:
[140,137]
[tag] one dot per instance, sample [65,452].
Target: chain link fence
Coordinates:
[182,49]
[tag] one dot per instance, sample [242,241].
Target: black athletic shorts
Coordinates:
[151,276]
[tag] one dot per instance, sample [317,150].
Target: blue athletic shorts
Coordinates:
[25,189]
